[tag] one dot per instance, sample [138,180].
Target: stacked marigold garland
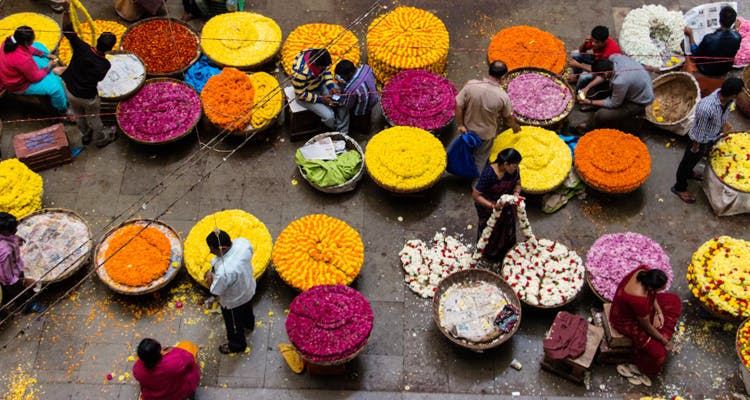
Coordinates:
[20,188]
[340,42]
[612,161]
[66,53]
[240,39]
[743,343]
[719,276]
[730,160]
[526,46]
[46,29]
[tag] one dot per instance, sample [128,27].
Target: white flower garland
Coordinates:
[426,266]
[650,31]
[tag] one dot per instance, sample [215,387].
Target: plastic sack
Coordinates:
[461,157]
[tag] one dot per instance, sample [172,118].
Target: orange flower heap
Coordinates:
[612,161]
[318,250]
[137,256]
[526,46]
[228,99]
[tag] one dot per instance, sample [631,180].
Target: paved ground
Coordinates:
[91,332]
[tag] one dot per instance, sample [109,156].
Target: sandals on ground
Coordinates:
[684,196]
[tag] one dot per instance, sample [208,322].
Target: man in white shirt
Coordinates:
[231,279]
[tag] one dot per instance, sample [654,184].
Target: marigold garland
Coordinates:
[66,53]
[546,158]
[405,159]
[316,250]
[228,99]
[236,223]
[406,38]
[526,46]
[612,161]
[164,45]
[340,42]
[268,99]
[719,276]
[137,255]
[240,39]
[20,188]
[46,29]
[730,160]
[743,343]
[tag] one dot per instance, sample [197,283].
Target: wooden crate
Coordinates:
[574,369]
[302,122]
[614,338]
[42,149]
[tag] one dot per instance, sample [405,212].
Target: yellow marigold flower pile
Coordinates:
[546,158]
[405,159]
[20,188]
[719,276]
[46,29]
[65,52]
[236,223]
[268,99]
[240,39]
[730,160]
[743,343]
[340,42]
[406,38]
[318,250]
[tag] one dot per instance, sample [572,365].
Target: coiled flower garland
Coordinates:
[340,42]
[20,188]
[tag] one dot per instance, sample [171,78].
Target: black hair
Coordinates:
[509,155]
[106,42]
[149,351]
[653,279]
[218,238]
[320,57]
[24,36]
[345,68]
[600,33]
[731,87]
[602,65]
[727,16]
[498,69]
[8,223]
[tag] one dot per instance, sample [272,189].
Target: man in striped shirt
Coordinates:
[710,120]
[315,89]
[359,94]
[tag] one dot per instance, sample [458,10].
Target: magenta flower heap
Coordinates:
[419,98]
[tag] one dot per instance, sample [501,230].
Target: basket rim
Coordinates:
[600,190]
[746,321]
[351,183]
[242,66]
[665,78]
[711,167]
[514,73]
[169,19]
[140,85]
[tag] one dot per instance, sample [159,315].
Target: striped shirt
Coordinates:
[305,82]
[361,93]
[710,116]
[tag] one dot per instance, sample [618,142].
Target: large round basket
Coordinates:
[675,94]
[141,80]
[171,20]
[351,144]
[593,289]
[175,261]
[545,122]
[737,345]
[174,138]
[469,275]
[58,243]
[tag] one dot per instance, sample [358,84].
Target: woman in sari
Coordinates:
[646,316]
[167,373]
[499,177]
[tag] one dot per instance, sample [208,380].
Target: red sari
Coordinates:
[649,354]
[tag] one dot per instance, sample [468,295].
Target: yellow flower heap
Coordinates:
[20,188]
[405,159]
[46,30]
[268,99]
[406,38]
[240,39]
[318,250]
[65,52]
[340,42]
[730,160]
[546,159]
[236,223]
[719,276]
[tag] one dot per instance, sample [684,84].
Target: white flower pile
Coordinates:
[650,31]
[426,266]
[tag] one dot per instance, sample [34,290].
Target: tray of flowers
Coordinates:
[539,97]
[526,46]
[419,98]
[612,161]
[20,188]
[241,39]
[340,42]
[167,46]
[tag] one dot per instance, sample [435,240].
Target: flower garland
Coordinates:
[743,54]
[341,43]
[65,52]
[329,323]
[719,276]
[236,223]
[240,39]
[419,98]
[406,38]
[405,159]
[546,158]
[730,160]
[743,343]
[137,255]
[159,112]
[268,99]
[538,97]
[165,46]
[227,99]
[75,7]
[20,188]
[426,266]
[523,222]
[614,256]
[650,31]
[526,46]
[318,250]
[612,161]
[125,74]
[46,29]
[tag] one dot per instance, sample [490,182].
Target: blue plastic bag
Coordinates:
[461,157]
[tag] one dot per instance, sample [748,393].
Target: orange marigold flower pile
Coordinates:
[228,99]
[612,161]
[526,46]
[139,261]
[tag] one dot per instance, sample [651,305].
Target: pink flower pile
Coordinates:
[539,97]
[328,323]
[419,98]
[615,255]
[743,54]
[160,111]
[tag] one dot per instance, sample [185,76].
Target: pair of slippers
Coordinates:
[633,375]
[684,196]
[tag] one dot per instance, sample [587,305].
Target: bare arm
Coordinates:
[460,120]
[483,201]
[651,330]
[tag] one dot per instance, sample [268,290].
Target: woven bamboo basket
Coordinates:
[176,21]
[593,289]
[176,258]
[469,275]
[349,185]
[743,99]
[78,256]
[737,346]
[130,94]
[677,94]
[545,122]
